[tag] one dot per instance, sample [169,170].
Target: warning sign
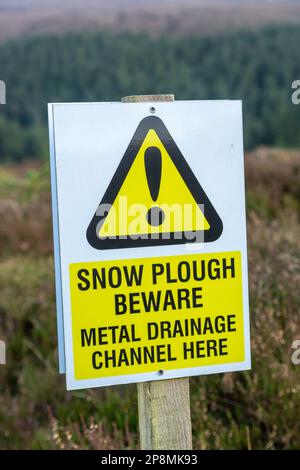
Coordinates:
[160,314]
[153,191]
[150,240]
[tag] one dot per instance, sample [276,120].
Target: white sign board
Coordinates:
[150,240]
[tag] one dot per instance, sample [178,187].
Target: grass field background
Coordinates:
[257,409]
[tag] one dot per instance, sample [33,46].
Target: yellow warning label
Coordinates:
[154,198]
[177,204]
[146,315]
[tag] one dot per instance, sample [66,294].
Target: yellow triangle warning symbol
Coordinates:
[154,197]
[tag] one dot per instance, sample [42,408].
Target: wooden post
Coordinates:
[164,405]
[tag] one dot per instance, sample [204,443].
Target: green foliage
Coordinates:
[253,409]
[257,67]
[33,183]
[17,142]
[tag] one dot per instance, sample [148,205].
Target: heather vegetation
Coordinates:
[256,409]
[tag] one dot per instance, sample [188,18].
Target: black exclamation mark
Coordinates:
[153,165]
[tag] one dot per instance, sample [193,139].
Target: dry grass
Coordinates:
[260,409]
[257,409]
[25,211]
[201,17]
[273,181]
[89,435]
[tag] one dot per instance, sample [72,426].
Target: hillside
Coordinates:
[200,17]
[258,67]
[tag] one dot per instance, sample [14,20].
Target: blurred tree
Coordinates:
[257,67]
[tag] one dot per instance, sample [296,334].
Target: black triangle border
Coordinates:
[216,225]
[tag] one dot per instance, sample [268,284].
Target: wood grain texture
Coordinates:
[164,415]
[164,405]
[147,98]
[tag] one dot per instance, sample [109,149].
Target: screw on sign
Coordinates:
[152,280]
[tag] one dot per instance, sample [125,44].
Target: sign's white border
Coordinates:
[57,266]
[64,320]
